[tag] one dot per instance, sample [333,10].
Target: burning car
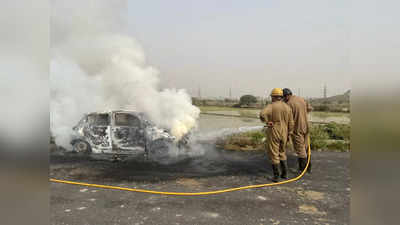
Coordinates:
[120,133]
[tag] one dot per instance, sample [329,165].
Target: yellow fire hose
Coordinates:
[190,193]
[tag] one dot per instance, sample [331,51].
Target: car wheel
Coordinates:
[82,147]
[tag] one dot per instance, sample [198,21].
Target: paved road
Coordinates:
[320,198]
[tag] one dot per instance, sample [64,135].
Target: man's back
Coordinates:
[300,109]
[279,113]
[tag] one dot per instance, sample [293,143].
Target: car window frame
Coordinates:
[96,119]
[130,114]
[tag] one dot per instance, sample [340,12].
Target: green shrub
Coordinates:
[322,108]
[256,136]
[338,131]
[318,137]
[247,99]
[323,137]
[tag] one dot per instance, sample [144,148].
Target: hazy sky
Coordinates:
[249,46]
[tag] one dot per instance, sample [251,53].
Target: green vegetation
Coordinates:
[337,103]
[247,141]
[331,107]
[318,137]
[247,100]
[330,136]
[256,136]
[338,131]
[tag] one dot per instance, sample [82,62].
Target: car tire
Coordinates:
[82,147]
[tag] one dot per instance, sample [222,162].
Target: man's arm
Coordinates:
[262,117]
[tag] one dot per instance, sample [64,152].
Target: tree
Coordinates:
[247,99]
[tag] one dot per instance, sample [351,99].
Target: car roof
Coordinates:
[132,112]
[114,111]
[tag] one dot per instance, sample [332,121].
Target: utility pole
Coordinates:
[230,93]
[325,91]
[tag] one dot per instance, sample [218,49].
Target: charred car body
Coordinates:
[120,133]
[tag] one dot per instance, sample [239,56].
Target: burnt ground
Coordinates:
[320,198]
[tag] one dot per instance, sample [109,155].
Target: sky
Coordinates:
[250,47]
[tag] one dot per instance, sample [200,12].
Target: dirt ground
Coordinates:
[320,198]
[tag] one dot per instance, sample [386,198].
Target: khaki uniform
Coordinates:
[300,108]
[279,113]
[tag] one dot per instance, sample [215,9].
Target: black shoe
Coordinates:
[275,171]
[284,169]
[302,164]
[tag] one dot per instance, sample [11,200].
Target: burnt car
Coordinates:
[121,133]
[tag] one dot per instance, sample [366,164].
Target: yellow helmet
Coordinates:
[278,92]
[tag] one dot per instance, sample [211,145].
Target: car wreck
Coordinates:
[122,133]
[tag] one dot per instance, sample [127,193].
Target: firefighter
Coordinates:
[279,124]
[300,135]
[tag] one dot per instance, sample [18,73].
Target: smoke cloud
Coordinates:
[96,66]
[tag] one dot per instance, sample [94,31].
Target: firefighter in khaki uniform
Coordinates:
[300,135]
[279,120]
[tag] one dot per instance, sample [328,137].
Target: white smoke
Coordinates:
[95,66]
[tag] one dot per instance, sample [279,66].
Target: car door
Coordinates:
[97,132]
[127,133]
